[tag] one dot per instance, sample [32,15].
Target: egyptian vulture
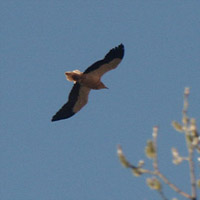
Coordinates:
[87,80]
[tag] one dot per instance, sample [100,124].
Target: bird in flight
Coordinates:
[87,80]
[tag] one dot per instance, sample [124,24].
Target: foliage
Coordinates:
[189,129]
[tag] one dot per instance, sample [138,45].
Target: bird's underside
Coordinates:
[87,80]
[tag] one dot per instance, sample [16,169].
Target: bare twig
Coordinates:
[174,187]
[192,173]
[190,147]
[162,195]
[158,173]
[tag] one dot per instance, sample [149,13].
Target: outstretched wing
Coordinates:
[78,97]
[110,61]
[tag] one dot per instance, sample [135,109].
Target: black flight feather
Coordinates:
[67,110]
[117,52]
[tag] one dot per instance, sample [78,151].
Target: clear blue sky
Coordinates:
[76,158]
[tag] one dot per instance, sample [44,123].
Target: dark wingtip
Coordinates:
[55,118]
[67,109]
[121,47]
[117,52]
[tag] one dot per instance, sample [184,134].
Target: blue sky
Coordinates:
[76,158]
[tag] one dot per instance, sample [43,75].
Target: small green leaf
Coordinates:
[177,126]
[154,183]
[150,149]
[177,159]
[122,158]
[198,183]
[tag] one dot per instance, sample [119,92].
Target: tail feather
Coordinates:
[73,76]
